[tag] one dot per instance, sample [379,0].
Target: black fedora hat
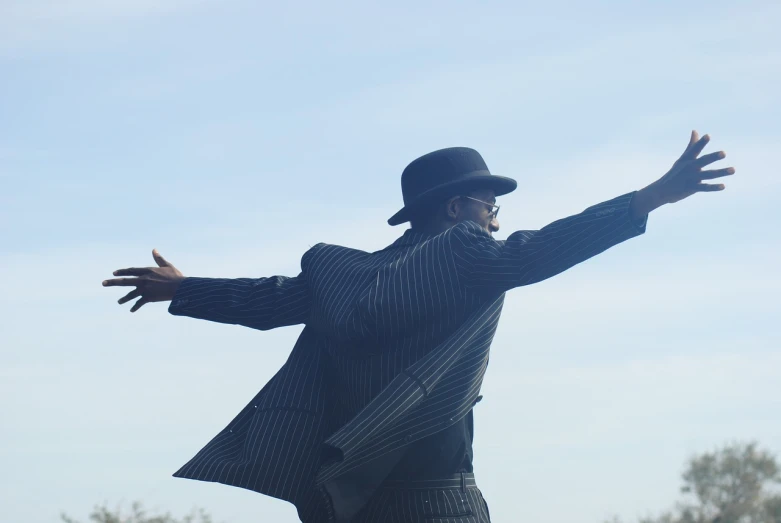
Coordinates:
[444,173]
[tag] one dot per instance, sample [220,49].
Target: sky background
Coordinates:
[233,135]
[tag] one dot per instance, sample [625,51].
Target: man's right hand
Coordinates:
[152,283]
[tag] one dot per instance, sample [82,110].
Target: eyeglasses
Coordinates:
[494,208]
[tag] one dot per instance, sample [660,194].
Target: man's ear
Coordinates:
[452,207]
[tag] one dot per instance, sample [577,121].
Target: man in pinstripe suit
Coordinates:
[370,418]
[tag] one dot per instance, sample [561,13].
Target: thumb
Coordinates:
[161,262]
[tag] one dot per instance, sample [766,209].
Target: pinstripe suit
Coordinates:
[394,349]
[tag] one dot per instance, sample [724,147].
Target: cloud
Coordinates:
[590,405]
[521,90]
[39,24]
[601,379]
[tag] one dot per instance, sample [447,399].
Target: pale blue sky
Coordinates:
[233,135]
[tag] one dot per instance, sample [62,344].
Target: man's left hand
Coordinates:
[686,175]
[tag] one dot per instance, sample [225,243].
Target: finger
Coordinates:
[161,262]
[133,271]
[140,303]
[129,296]
[122,282]
[692,140]
[716,173]
[705,187]
[697,147]
[702,161]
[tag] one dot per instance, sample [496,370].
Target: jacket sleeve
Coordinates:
[262,303]
[527,257]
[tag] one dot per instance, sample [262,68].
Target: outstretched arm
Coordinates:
[531,256]
[262,303]
[259,303]
[527,257]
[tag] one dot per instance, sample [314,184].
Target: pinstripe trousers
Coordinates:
[453,500]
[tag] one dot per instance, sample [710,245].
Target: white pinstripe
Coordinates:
[425,505]
[395,348]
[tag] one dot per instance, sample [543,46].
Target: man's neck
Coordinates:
[432,228]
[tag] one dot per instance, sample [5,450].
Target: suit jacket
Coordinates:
[394,349]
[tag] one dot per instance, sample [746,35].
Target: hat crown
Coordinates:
[438,168]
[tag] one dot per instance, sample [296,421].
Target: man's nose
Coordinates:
[493,226]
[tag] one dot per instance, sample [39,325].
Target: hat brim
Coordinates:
[500,184]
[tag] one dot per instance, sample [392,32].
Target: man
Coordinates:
[370,419]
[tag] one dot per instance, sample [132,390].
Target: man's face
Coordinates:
[478,212]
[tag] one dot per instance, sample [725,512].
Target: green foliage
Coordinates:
[102,514]
[731,485]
